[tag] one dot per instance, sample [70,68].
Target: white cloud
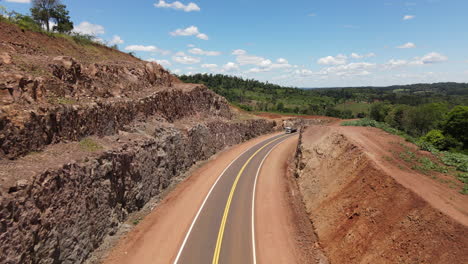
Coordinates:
[19,1]
[183,58]
[408,17]
[330,60]
[360,56]
[178,6]
[164,63]
[89,29]
[351,69]
[257,70]
[191,46]
[198,51]
[230,67]
[395,63]
[408,45]
[116,40]
[245,59]
[282,61]
[153,49]
[209,66]
[238,52]
[433,57]
[430,58]
[190,31]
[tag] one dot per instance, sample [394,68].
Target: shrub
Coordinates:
[83,39]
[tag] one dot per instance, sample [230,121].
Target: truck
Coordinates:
[290,130]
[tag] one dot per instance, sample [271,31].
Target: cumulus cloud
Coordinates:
[230,67]
[198,51]
[433,57]
[89,29]
[164,63]
[238,52]
[429,58]
[246,59]
[395,63]
[153,49]
[408,17]
[408,45]
[116,40]
[209,66]
[190,31]
[282,61]
[181,57]
[351,69]
[361,56]
[330,60]
[190,7]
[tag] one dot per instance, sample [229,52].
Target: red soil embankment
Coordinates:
[363,212]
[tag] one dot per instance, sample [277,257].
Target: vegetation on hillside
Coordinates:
[56,14]
[252,95]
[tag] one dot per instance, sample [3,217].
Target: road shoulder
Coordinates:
[283,231]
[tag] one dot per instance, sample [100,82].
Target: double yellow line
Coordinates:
[228,204]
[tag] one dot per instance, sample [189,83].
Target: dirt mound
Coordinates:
[362,214]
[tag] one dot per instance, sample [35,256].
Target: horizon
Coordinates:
[370,43]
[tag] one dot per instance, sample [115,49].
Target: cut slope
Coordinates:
[362,214]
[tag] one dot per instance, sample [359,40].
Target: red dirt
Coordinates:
[367,208]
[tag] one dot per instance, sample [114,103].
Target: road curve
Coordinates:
[222,230]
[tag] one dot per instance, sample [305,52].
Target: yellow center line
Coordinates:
[228,204]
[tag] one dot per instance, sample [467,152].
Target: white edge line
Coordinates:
[253,200]
[207,196]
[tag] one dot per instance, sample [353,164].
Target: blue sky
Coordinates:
[303,43]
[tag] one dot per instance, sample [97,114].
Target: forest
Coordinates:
[437,113]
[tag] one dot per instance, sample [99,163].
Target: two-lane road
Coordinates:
[223,229]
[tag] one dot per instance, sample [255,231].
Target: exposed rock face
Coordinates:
[63,215]
[70,122]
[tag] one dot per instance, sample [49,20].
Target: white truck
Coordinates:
[290,130]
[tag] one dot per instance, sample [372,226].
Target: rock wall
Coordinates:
[73,122]
[64,214]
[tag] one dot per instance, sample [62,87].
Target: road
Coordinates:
[208,217]
[222,231]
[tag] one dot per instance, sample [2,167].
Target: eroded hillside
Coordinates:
[368,206]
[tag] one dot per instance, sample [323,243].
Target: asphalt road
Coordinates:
[222,230]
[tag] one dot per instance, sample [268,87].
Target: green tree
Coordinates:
[280,107]
[379,111]
[59,14]
[456,124]
[45,11]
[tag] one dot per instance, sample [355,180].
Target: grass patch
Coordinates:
[366,122]
[89,145]
[356,108]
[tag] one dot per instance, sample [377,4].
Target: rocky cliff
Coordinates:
[88,135]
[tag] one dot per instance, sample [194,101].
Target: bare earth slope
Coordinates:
[368,207]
